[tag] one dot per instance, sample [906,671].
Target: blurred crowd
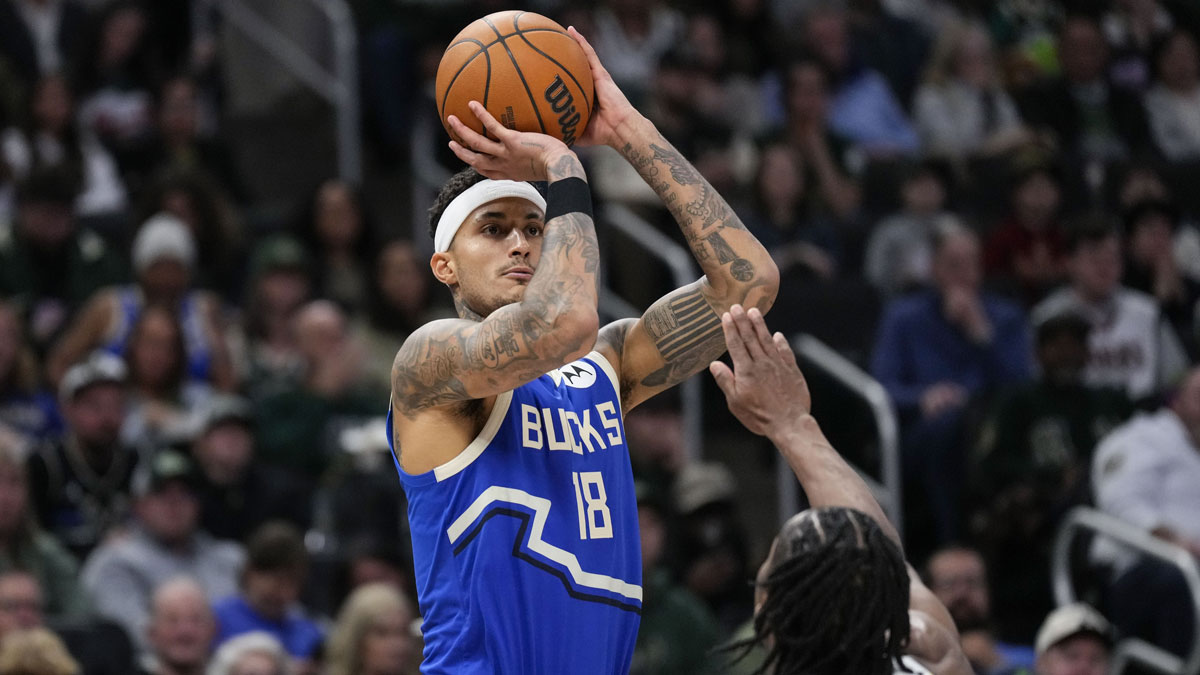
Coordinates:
[989,206]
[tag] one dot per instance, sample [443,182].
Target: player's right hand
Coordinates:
[512,155]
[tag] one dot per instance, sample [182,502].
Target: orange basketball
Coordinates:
[524,68]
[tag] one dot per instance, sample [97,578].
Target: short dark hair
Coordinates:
[1137,213]
[837,597]
[454,187]
[49,185]
[1090,229]
[277,546]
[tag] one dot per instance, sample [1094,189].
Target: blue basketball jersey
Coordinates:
[526,545]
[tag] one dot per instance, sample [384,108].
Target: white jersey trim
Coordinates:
[541,509]
[608,370]
[472,452]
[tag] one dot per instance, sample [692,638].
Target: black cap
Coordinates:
[225,408]
[165,467]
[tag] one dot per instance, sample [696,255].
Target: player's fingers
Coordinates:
[473,139]
[588,51]
[761,334]
[466,154]
[746,332]
[490,124]
[784,349]
[723,375]
[733,342]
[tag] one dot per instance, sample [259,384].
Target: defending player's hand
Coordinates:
[512,155]
[765,389]
[612,109]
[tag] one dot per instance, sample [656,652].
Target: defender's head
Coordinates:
[832,596]
[487,237]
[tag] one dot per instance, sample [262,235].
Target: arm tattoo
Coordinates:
[686,330]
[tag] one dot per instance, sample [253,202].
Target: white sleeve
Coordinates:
[1127,474]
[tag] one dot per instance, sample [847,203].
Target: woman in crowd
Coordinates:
[27,413]
[373,634]
[250,654]
[1173,103]
[334,229]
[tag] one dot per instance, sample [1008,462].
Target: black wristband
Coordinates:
[568,195]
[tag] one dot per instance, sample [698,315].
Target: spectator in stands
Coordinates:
[958,577]
[294,426]
[1147,473]
[1130,344]
[165,542]
[280,284]
[162,398]
[799,236]
[899,254]
[164,258]
[48,137]
[269,593]
[376,560]
[338,237]
[238,493]
[373,634]
[21,604]
[655,435]
[80,483]
[28,414]
[1133,28]
[939,353]
[1143,182]
[961,110]
[1031,466]
[1089,118]
[1026,252]
[26,550]
[398,303]
[115,75]
[1173,103]
[257,653]
[863,109]
[825,155]
[631,36]
[1074,640]
[39,37]
[49,266]
[1151,267]
[180,630]
[677,630]
[36,651]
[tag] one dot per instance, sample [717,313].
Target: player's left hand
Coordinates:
[765,389]
[513,155]
[611,110]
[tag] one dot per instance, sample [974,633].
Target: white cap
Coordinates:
[1070,620]
[163,236]
[98,367]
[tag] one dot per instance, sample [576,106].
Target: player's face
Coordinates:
[494,254]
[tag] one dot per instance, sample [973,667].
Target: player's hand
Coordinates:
[611,110]
[765,389]
[507,154]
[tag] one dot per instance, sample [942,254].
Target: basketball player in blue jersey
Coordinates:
[506,422]
[835,595]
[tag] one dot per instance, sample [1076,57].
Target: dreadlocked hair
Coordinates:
[454,187]
[836,598]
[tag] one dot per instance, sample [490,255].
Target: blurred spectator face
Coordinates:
[14,499]
[272,592]
[96,414]
[1179,63]
[1186,404]
[256,663]
[655,438]
[401,277]
[923,194]
[20,602]
[178,110]
[165,278]
[1151,239]
[1140,184]
[45,225]
[387,647]
[120,35]
[1063,356]
[957,264]
[169,513]
[1083,654]
[52,104]
[674,85]
[182,628]
[1082,51]
[826,35]
[280,292]
[224,451]
[320,331]
[706,39]
[958,578]
[155,350]
[654,536]
[780,178]
[808,94]
[339,222]
[1036,199]
[1096,267]
[974,61]
[181,204]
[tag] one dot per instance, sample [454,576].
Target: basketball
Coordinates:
[524,68]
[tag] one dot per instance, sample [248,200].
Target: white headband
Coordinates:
[477,195]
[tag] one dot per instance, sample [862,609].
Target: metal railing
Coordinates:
[1129,650]
[887,489]
[338,86]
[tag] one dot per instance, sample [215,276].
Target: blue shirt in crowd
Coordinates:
[300,635]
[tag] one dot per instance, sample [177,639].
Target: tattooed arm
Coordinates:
[681,333]
[554,322]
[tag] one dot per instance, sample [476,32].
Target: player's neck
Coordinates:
[465,312]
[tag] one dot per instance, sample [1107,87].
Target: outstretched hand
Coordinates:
[513,155]
[611,110]
[765,389]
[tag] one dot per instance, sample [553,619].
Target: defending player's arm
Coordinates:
[555,323]
[681,333]
[767,392]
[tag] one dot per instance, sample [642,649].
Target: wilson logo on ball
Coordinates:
[562,102]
